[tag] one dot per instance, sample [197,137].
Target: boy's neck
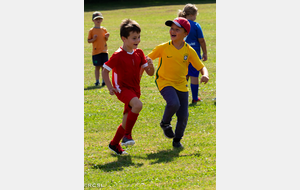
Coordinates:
[178,44]
[127,49]
[97,26]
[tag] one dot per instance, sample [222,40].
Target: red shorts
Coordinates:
[125,96]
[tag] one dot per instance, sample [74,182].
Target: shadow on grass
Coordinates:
[123,161]
[194,104]
[165,156]
[93,87]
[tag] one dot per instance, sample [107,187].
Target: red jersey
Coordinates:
[126,69]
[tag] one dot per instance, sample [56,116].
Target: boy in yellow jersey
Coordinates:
[98,35]
[174,58]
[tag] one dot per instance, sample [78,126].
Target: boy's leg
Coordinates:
[194,76]
[104,59]
[118,136]
[120,131]
[195,88]
[97,74]
[182,118]
[103,83]
[114,145]
[136,106]
[173,104]
[182,114]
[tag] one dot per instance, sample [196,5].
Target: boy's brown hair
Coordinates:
[128,26]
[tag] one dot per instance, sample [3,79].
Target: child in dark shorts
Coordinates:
[98,35]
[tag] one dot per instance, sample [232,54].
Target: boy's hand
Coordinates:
[204,57]
[149,61]
[106,35]
[150,68]
[204,79]
[112,91]
[95,37]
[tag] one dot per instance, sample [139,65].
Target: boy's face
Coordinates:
[132,41]
[177,33]
[98,21]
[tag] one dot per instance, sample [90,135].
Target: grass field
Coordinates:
[152,163]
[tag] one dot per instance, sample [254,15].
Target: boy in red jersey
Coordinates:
[127,64]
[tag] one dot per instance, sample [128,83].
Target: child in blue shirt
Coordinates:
[196,40]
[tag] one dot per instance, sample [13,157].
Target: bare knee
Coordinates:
[136,105]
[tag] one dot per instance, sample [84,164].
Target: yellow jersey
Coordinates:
[173,65]
[99,46]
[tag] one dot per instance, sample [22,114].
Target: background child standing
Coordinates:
[127,65]
[174,58]
[98,35]
[196,40]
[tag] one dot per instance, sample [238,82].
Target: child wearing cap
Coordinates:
[196,40]
[98,35]
[127,65]
[174,58]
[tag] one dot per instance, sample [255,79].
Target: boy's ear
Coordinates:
[123,38]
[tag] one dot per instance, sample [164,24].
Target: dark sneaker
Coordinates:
[167,128]
[97,83]
[195,101]
[177,144]
[117,149]
[103,83]
[127,141]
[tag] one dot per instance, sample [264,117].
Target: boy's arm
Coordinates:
[204,74]
[141,72]
[150,68]
[93,39]
[106,79]
[106,36]
[203,47]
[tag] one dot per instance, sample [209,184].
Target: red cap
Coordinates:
[180,22]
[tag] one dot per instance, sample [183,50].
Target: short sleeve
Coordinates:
[104,29]
[142,55]
[155,53]
[111,63]
[90,35]
[199,31]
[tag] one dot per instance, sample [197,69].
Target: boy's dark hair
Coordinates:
[128,26]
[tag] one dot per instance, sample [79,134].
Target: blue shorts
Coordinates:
[100,59]
[192,71]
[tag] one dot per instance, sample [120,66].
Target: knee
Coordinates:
[174,106]
[137,107]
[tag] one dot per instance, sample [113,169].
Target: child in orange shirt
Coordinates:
[98,35]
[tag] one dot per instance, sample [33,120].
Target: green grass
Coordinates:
[152,163]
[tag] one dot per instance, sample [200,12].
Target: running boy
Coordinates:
[196,40]
[174,58]
[127,64]
[98,35]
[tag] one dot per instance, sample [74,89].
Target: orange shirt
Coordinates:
[99,46]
